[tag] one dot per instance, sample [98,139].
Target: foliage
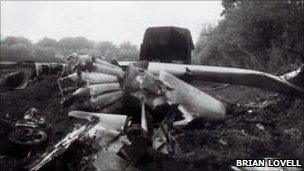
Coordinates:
[47,42]
[107,49]
[261,35]
[127,51]
[10,40]
[15,52]
[70,44]
[50,50]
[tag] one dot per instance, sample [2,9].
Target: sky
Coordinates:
[116,21]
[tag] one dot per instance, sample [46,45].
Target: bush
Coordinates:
[255,34]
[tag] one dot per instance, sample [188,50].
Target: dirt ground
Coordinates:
[259,124]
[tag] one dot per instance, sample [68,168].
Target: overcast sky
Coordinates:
[116,21]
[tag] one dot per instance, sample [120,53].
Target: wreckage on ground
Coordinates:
[149,92]
[130,107]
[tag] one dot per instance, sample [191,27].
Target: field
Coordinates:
[259,124]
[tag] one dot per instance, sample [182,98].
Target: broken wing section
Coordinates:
[192,102]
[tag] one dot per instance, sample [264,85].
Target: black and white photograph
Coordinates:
[152,85]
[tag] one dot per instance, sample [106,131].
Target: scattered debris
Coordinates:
[28,131]
[32,118]
[27,136]
[61,146]
[157,102]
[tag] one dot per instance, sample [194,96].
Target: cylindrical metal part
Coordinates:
[104,100]
[98,89]
[108,70]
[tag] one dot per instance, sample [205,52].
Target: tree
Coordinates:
[11,40]
[107,49]
[251,32]
[70,44]
[47,42]
[50,50]
[43,54]
[127,51]
[15,52]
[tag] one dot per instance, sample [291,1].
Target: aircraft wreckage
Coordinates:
[151,96]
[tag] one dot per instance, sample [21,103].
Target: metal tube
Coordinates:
[243,77]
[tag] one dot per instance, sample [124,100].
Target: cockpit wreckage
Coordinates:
[129,108]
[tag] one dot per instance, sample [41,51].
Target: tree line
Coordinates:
[50,50]
[263,35]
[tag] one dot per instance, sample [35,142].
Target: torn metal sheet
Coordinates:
[109,121]
[136,151]
[107,139]
[32,118]
[105,160]
[117,144]
[243,77]
[155,101]
[140,85]
[295,77]
[192,102]
[61,146]
[144,121]
[107,133]
[138,79]
[161,140]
